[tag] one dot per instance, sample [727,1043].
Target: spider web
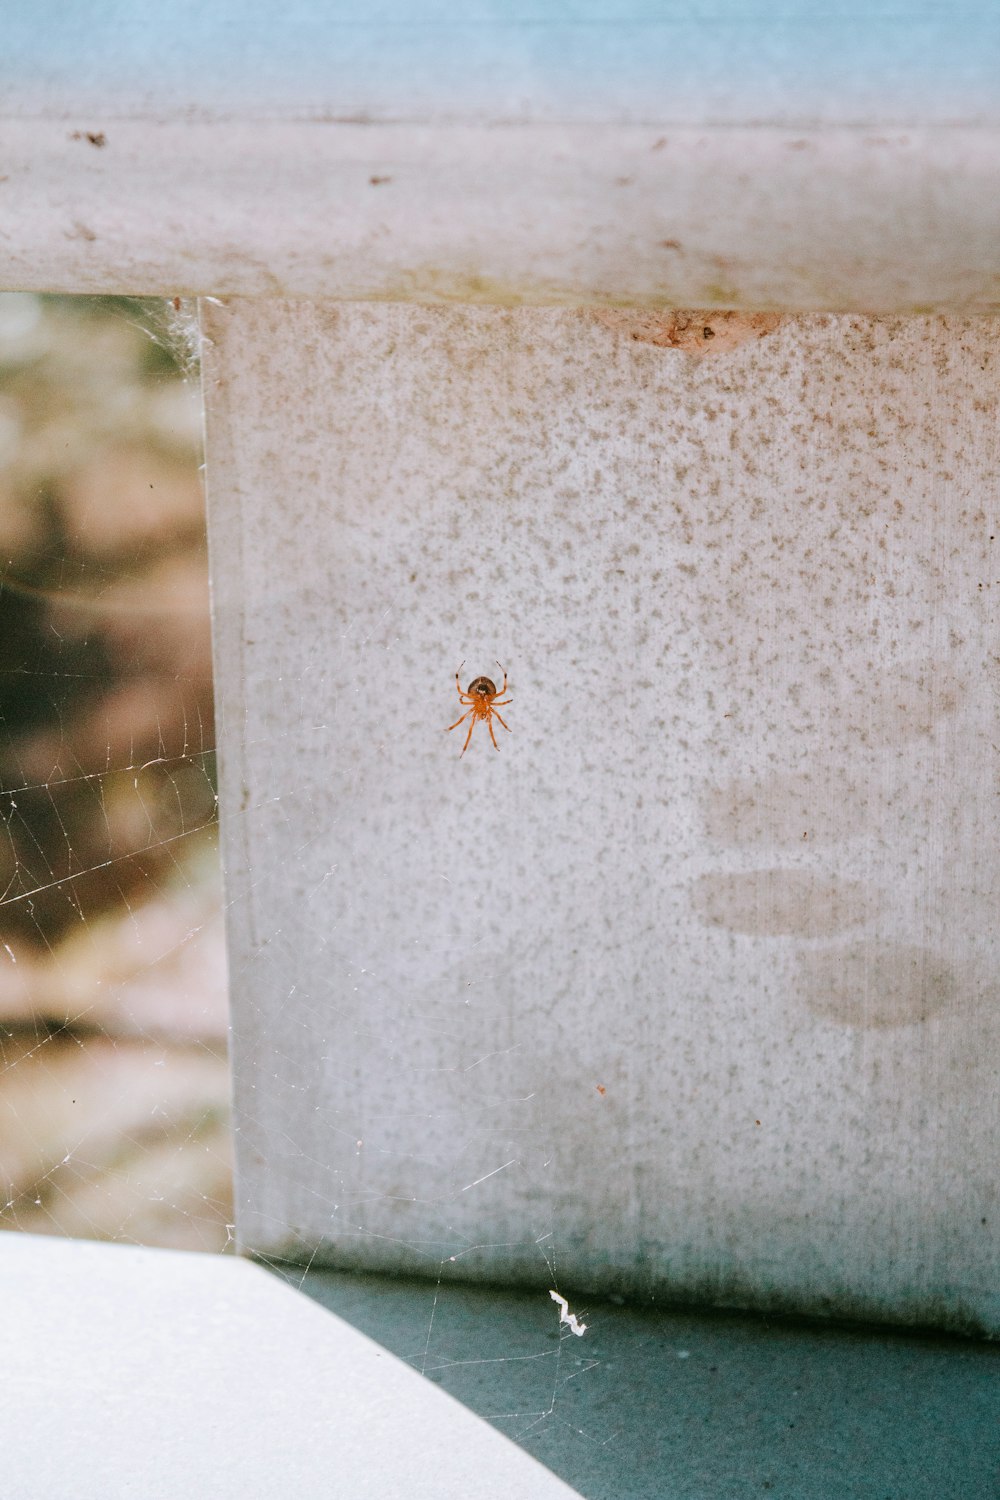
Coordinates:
[551,1016]
[114,1084]
[423,1043]
[113,1078]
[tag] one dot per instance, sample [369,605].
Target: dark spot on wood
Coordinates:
[686,329]
[776,902]
[875,984]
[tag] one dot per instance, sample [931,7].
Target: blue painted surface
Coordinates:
[726,61]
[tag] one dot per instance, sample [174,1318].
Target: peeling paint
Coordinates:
[695,331]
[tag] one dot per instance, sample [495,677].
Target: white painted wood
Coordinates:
[157,1373]
[691,989]
[801,219]
[813,158]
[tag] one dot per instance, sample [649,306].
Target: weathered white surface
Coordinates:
[813,157]
[693,987]
[154,1373]
[800,218]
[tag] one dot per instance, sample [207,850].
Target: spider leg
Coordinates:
[489,726]
[468,737]
[500,717]
[458,721]
[458,684]
[502,701]
[504,688]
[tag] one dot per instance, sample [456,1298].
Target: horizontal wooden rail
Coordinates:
[582,154]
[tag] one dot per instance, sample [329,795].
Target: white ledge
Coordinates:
[160,1373]
[829,158]
[764,218]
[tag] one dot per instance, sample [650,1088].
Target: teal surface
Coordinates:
[731,61]
[688,1406]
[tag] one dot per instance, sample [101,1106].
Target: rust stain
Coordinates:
[695,331]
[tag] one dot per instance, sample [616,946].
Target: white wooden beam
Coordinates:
[691,989]
[798,161]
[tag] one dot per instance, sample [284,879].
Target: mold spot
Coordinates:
[782,903]
[693,331]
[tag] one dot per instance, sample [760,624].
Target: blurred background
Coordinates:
[114,1091]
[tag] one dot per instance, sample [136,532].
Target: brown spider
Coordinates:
[482,697]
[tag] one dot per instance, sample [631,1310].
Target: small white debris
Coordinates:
[565,1316]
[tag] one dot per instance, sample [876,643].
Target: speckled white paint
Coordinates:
[681,215]
[693,986]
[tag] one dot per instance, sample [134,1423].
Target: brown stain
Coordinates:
[786,808]
[92,137]
[694,331]
[907,702]
[876,984]
[782,903]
